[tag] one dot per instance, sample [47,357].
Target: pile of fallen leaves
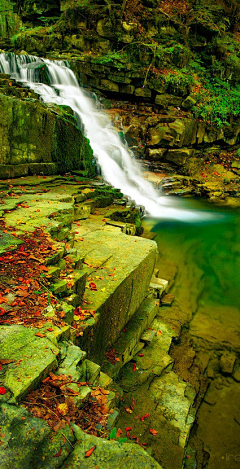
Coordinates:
[55,402]
[24,288]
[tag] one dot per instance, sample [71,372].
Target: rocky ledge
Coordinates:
[81,324]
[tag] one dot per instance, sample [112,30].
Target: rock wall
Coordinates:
[10,22]
[35,138]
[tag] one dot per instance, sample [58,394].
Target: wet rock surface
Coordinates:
[110,272]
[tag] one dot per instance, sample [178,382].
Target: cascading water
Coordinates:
[115,159]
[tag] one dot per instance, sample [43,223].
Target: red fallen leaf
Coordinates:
[134,367]
[3,311]
[2,391]
[39,334]
[89,452]
[141,354]
[188,456]
[20,279]
[153,432]
[43,267]
[92,286]
[119,433]
[58,454]
[50,329]
[144,417]
[0,367]
[128,429]
[117,359]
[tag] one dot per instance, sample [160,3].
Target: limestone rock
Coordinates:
[107,454]
[189,102]
[236,374]
[179,156]
[70,364]
[156,154]
[35,357]
[175,399]
[227,362]
[28,442]
[168,100]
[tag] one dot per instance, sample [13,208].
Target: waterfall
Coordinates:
[116,160]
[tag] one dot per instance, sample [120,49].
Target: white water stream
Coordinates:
[116,160]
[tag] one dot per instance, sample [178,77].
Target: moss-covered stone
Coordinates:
[108,454]
[30,364]
[36,139]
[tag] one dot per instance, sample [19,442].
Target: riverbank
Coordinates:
[75,302]
[203,262]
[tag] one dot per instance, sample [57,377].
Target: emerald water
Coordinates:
[204,258]
[212,246]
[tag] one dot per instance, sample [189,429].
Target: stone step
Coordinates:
[90,371]
[74,283]
[71,361]
[33,357]
[151,362]
[125,347]
[175,399]
[60,251]
[120,282]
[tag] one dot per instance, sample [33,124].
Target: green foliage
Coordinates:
[217,102]
[113,436]
[110,57]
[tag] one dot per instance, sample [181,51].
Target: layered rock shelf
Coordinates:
[100,333]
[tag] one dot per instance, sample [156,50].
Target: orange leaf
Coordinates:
[39,334]
[6,362]
[89,452]
[119,433]
[153,432]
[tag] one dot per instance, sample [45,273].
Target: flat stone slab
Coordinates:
[28,442]
[8,242]
[33,357]
[221,331]
[152,361]
[175,399]
[107,454]
[122,267]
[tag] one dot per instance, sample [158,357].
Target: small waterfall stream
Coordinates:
[116,160]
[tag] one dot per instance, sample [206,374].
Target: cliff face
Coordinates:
[35,138]
[180,59]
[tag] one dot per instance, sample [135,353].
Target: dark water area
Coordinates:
[213,245]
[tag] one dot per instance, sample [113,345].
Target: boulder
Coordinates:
[227,362]
[168,100]
[179,156]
